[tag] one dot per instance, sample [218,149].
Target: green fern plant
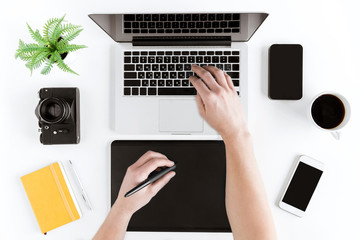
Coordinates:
[50,48]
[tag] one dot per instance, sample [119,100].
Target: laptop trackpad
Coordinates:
[181,116]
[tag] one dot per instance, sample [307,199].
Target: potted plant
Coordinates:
[50,48]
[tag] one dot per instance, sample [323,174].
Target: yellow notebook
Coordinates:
[51,197]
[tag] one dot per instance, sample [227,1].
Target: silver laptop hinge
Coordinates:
[182,41]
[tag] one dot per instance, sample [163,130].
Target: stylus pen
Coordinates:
[83,193]
[149,180]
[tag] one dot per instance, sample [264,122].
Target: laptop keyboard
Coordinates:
[182,23]
[168,72]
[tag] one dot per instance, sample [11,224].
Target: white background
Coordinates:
[329,32]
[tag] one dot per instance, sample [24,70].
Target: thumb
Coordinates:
[201,105]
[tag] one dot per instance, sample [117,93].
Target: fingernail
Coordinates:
[194,65]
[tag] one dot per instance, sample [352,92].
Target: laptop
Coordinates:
[153,58]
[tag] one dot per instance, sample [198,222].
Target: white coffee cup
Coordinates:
[323,114]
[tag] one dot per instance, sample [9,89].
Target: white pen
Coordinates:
[83,193]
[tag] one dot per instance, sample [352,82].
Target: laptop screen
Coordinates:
[238,27]
[193,201]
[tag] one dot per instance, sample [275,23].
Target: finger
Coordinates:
[200,86]
[152,165]
[200,105]
[159,184]
[229,81]
[206,77]
[147,156]
[219,75]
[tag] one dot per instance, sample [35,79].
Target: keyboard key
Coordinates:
[127,59]
[129,67]
[153,83]
[127,24]
[135,59]
[185,30]
[179,67]
[143,59]
[181,75]
[147,67]
[155,17]
[227,53]
[142,91]
[151,91]
[211,17]
[233,74]
[171,67]
[159,25]
[127,53]
[145,83]
[199,59]
[147,17]
[187,17]
[141,75]
[227,67]
[127,31]
[233,59]
[185,82]
[149,75]
[235,30]
[195,17]
[202,53]
[139,17]
[219,17]
[179,17]
[183,59]
[234,24]
[177,83]
[129,74]
[176,91]
[151,59]
[187,67]
[173,75]
[159,59]
[155,67]
[163,17]
[169,83]
[157,75]
[171,17]
[126,91]
[161,83]
[223,59]
[129,17]
[191,59]
[175,59]
[203,17]
[163,67]
[236,67]
[139,67]
[215,59]
[236,17]
[165,75]
[228,17]
[210,52]
[210,30]
[135,91]
[236,83]
[220,66]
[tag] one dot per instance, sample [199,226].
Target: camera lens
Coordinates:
[53,110]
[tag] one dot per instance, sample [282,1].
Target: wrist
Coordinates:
[120,208]
[238,137]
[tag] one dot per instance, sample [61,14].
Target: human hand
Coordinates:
[137,173]
[218,101]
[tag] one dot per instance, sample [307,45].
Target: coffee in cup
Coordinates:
[330,111]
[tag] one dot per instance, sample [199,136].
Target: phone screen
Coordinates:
[285,71]
[302,186]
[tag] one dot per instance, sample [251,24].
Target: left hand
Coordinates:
[137,173]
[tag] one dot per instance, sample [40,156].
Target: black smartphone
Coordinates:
[285,71]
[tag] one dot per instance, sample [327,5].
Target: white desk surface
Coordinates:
[328,31]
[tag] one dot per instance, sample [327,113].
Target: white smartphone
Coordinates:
[302,185]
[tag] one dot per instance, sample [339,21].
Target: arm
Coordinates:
[115,224]
[246,203]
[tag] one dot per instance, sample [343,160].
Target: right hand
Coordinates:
[218,101]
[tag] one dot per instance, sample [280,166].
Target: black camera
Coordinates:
[58,112]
